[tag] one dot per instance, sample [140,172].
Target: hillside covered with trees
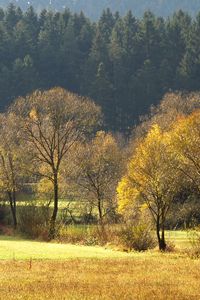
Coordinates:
[93,8]
[125,64]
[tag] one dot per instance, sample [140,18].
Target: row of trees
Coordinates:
[51,143]
[125,64]
[48,142]
[92,9]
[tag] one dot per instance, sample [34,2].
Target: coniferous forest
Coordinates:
[93,8]
[124,63]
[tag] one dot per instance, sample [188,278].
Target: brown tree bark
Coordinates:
[52,230]
[160,231]
[12,201]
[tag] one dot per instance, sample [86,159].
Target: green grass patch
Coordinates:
[20,249]
[181,239]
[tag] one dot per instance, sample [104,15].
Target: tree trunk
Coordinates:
[163,243]
[14,209]
[102,231]
[100,211]
[161,239]
[158,231]
[52,231]
[12,200]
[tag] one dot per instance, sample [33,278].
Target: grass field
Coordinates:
[19,249]
[143,277]
[38,270]
[181,239]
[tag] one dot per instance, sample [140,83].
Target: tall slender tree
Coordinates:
[51,123]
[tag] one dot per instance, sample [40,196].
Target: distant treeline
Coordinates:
[125,64]
[94,8]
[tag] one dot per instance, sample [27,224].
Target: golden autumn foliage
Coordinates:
[162,162]
[150,177]
[185,143]
[33,114]
[45,188]
[148,170]
[125,192]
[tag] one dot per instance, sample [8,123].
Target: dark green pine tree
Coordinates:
[145,87]
[42,18]
[146,84]
[6,92]
[98,54]
[106,24]
[131,63]
[24,77]
[49,43]
[177,30]
[151,44]
[189,70]
[26,33]
[102,91]
[70,58]
[12,17]
[119,73]
[6,51]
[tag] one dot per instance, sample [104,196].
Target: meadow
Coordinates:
[39,270]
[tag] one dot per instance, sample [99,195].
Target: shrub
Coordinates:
[2,214]
[77,234]
[87,234]
[5,215]
[88,219]
[33,221]
[138,237]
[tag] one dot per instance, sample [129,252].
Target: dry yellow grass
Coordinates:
[145,276]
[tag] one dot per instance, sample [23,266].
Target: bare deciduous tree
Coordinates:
[11,166]
[52,122]
[99,167]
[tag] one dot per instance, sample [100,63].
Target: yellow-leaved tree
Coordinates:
[185,143]
[151,179]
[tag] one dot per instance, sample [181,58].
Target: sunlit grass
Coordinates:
[18,248]
[145,276]
[181,239]
[39,270]
[25,249]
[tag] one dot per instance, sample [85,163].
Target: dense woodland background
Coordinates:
[125,64]
[94,8]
